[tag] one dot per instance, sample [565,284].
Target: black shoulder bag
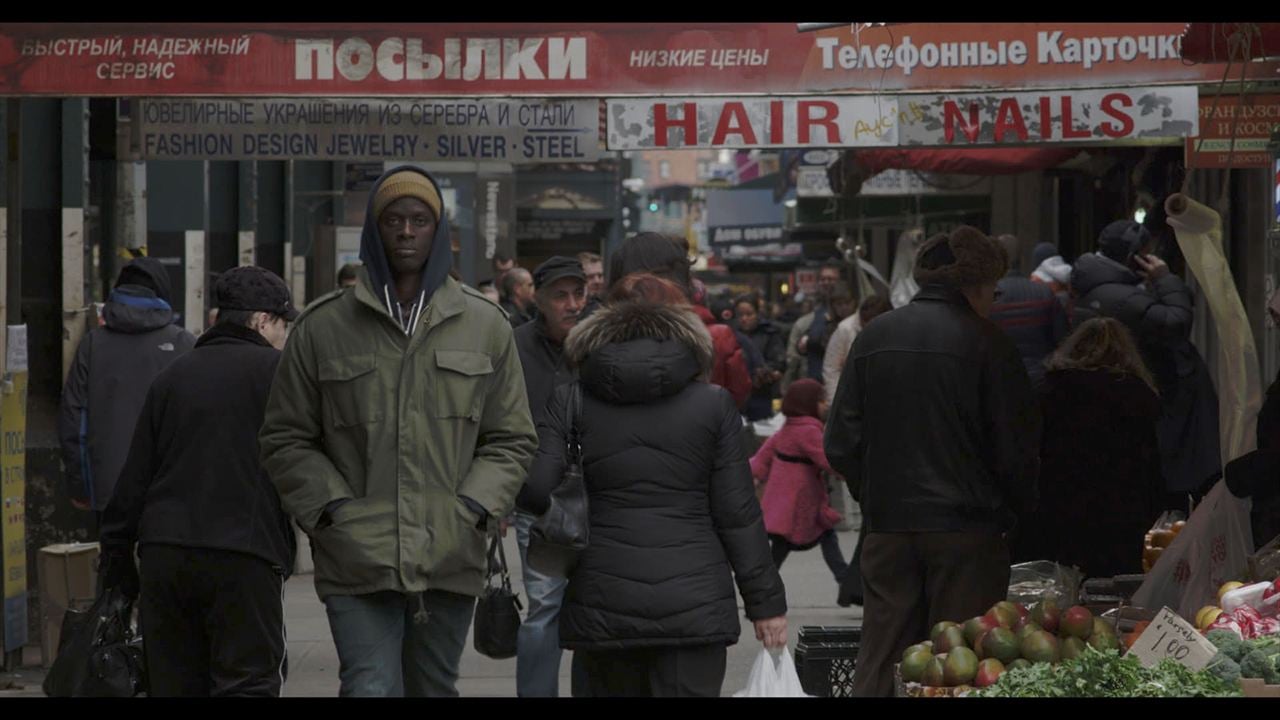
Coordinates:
[498,610]
[559,536]
[98,654]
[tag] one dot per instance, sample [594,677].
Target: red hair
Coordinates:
[802,398]
[647,288]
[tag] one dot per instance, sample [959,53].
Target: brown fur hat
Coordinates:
[965,257]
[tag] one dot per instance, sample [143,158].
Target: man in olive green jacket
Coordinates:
[397,431]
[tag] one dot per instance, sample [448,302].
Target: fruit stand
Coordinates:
[1093,649]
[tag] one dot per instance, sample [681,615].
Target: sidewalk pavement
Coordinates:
[313,660]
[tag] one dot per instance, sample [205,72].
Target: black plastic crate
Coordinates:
[825,658]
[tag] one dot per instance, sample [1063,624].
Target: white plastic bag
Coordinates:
[773,675]
[1211,550]
[902,282]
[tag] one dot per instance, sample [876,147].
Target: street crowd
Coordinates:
[404,419]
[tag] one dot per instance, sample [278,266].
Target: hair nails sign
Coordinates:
[1136,115]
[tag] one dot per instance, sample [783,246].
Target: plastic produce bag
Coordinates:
[773,675]
[1031,582]
[1212,549]
[902,282]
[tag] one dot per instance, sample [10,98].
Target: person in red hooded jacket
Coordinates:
[668,257]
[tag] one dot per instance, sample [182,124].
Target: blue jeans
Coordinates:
[383,652]
[538,643]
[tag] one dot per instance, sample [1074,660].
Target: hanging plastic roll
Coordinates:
[1199,233]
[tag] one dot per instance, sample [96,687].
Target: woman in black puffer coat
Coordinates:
[650,608]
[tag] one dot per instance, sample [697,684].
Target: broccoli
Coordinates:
[1255,665]
[1272,675]
[1224,668]
[1228,643]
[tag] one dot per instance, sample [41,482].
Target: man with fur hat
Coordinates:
[215,545]
[398,432]
[108,381]
[1123,280]
[936,430]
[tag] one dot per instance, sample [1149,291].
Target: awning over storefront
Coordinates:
[1220,42]
[978,161]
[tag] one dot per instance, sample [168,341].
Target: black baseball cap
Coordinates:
[254,289]
[555,268]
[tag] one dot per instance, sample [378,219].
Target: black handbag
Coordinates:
[497,610]
[99,655]
[559,536]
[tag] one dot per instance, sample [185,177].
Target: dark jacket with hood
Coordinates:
[1160,320]
[934,425]
[1032,317]
[397,439]
[193,477]
[771,344]
[113,367]
[1100,482]
[673,508]
[1257,474]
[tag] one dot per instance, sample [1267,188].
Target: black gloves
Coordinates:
[119,571]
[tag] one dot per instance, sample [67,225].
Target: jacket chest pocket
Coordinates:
[350,388]
[461,376]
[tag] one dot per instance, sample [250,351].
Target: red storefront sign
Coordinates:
[585,60]
[1251,122]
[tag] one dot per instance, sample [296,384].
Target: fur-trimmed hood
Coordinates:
[636,352]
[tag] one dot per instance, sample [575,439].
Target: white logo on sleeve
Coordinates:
[166,347]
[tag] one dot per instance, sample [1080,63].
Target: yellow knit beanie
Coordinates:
[406,183]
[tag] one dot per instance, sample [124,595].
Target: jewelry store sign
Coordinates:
[427,129]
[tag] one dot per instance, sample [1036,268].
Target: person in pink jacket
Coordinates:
[797,510]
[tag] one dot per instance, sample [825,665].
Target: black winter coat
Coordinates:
[1257,474]
[771,346]
[934,424]
[1100,482]
[113,368]
[544,364]
[1032,317]
[1160,320]
[673,514]
[193,478]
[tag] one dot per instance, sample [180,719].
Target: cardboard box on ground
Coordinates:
[68,575]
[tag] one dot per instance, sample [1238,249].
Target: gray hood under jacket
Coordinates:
[374,256]
[105,389]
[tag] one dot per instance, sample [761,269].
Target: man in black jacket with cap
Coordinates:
[560,296]
[113,368]
[215,544]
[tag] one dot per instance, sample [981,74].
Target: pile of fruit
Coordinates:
[1156,541]
[1249,611]
[1008,636]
